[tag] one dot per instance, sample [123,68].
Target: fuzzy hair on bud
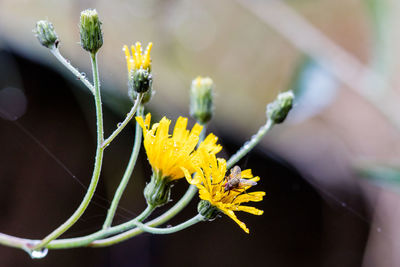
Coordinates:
[90,31]
[201,99]
[46,34]
[279,109]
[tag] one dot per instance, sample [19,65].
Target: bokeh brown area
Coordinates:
[318,211]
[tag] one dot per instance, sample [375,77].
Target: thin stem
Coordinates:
[85,240]
[128,171]
[170,230]
[98,239]
[76,72]
[182,203]
[15,242]
[122,125]
[97,166]
[249,145]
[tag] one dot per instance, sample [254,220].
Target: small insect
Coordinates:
[234,180]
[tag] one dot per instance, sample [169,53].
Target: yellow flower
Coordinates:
[210,179]
[138,60]
[168,153]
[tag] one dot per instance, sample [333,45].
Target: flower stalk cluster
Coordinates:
[185,152]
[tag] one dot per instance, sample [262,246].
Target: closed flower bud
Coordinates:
[140,81]
[279,109]
[90,31]
[158,191]
[201,99]
[208,211]
[46,34]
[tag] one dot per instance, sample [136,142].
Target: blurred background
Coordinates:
[330,171]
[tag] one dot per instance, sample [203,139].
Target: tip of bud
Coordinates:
[90,31]
[46,34]
[201,99]
[279,109]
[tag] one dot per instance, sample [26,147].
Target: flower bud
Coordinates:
[279,109]
[140,81]
[201,99]
[208,211]
[158,191]
[90,31]
[46,34]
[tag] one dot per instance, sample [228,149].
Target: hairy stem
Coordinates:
[249,145]
[86,240]
[170,230]
[182,203]
[128,171]
[71,68]
[122,125]
[97,165]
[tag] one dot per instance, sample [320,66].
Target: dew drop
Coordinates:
[119,124]
[68,61]
[39,254]
[83,75]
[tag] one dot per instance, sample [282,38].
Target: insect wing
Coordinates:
[236,172]
[245,182]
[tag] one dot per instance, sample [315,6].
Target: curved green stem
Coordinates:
[97,166]
[122,125]
[249,145]
[182,203]
[124,231]
[170,230]
[15,242]
[71,68]
[85,240]
[128,172]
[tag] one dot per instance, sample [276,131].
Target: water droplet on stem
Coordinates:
[39,254]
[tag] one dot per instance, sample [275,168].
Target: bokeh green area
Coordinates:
[249,62]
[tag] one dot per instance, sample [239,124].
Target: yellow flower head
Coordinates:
[211,181]
[168,153]
[138,60]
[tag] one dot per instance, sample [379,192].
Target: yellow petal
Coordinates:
[247,174]
[187,175]
[249,209]
[127,57]
[180,131]
[147,120]
[232,215]
[253,196]
[209,144]
[196,130]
